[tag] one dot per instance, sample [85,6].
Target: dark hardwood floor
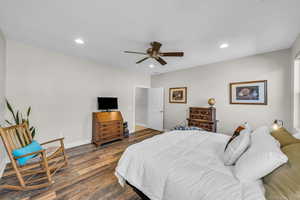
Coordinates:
[89,176]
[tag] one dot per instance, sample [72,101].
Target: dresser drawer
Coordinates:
[111,132]
[205,126]
[110,123]
[108,135]
[200,111]
[200,116]
[109,128]
[112,137]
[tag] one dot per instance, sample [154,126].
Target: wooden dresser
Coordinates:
[107,127]
[203,117]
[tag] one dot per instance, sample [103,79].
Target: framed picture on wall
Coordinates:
[251,92]
[178,95]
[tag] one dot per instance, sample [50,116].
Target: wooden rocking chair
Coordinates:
[38,171]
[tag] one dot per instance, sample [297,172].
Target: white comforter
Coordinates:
[184,165]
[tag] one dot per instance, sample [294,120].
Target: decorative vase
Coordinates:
[211,102]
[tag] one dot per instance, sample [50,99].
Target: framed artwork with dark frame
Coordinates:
[251,93]
[178,95]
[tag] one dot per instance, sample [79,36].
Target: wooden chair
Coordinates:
[38,171]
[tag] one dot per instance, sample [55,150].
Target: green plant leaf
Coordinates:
[17,118]
[8,122]
[28,111]
[10,109]
[33,133]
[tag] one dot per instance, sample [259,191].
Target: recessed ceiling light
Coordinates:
[151,66]
[79,41]
[223,46]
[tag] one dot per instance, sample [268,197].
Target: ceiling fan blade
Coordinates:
[177,54]
[142,60]
[155,46]
[161,61]
[135,52]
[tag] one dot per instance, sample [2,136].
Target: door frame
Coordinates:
[134,109]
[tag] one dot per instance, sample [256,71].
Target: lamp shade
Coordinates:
[277,124]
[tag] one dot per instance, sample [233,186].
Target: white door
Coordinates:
[156,108]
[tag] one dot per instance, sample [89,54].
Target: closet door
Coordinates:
[156,108]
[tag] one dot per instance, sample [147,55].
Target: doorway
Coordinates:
[149,108]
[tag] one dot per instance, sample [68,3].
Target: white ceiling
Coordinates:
[196,27]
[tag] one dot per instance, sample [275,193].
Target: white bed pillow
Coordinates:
[237,147]
[261,158]
[247,126]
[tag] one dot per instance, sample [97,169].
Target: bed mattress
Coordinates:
[181,165]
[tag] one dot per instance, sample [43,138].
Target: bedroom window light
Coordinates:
[277,124]
[296,95]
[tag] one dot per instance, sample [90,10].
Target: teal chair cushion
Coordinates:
[33,147]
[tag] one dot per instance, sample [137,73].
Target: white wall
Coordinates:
[2,96]
[141,105]
[63,90]
[213,80]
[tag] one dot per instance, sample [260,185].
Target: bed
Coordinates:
[181,165]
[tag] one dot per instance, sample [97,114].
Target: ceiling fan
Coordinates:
[153,52]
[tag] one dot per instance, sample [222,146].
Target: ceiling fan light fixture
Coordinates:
[154,53]
[224,46]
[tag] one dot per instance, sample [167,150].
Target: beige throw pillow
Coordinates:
[284,182]
[284,137]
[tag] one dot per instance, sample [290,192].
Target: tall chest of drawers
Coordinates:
[203,117]
[107,127]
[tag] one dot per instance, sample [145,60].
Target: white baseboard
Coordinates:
[77,143]
[141,124]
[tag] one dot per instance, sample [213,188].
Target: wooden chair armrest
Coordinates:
[32,153]
[51,141]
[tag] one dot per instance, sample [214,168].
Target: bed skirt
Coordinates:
[138,192]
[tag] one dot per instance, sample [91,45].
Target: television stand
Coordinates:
[107,127]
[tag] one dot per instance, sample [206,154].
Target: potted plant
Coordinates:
[18,118]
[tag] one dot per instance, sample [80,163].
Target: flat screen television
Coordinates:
[107,103]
